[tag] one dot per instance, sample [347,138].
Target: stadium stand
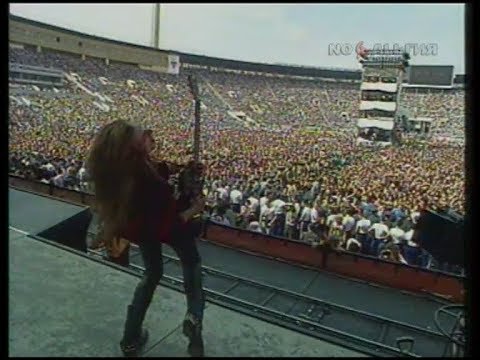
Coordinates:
[279,151]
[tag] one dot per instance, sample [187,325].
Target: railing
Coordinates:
[370,269]
[304,313]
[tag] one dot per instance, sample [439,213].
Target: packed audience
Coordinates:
[444,107]
[280,177]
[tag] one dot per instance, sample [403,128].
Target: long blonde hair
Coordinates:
[112,163]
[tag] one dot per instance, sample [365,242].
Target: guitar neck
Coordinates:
[196,132]
[192,82]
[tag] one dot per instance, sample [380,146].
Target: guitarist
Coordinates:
[139,205]
[118,250]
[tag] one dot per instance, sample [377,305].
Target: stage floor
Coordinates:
[61,304]
[34,213]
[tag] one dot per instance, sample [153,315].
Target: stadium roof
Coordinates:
[205,60]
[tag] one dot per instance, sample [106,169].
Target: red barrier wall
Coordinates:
[264,245]
[396,275]
[351,265]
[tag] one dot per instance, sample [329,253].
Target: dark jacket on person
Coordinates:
[155,216]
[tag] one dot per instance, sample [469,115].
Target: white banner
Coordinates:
[390,88]
[382,124]
[372,143]
[173,64]
[378,105]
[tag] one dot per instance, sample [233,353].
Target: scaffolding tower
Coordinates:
[382,77]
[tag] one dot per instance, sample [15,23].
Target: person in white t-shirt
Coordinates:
[266,215]
[82,174]
[397,234]
[277,220]
[361,230]
[313,215]
[331,218]
[265,209]
[380,229]
[265,200]
[222,194]
[348,223]
[277,205]
[305,218]
[380,237]
[297,208]
[235,200]
[253,203]
[363,225]
[408,235]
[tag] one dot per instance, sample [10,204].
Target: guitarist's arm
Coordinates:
[167,168]
[174,168]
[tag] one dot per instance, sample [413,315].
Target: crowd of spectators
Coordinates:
[444,107]
[315,186]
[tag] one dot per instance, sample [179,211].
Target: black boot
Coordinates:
[192,329]
[134,337]
[135,348]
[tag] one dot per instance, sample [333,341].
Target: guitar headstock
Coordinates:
[193,85]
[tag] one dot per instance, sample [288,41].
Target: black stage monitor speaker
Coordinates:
[442,235]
